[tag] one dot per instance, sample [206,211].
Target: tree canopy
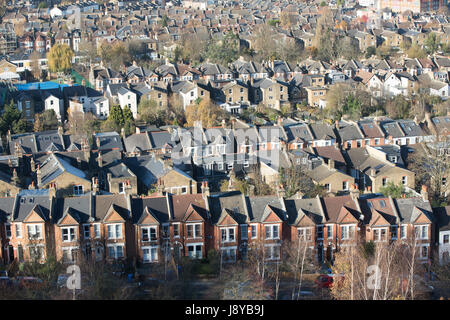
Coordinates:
[12,120]
[60,58]
[206,112]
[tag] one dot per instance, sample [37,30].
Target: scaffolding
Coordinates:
[8,39]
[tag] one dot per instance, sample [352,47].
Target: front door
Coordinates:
[10,254]
[329,254]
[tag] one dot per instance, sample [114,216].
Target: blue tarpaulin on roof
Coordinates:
[41,85]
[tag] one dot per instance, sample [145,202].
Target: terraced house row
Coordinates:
[36,223]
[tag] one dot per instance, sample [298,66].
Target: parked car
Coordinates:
[30,283]
[324,281]
[5,282]
[327,280]
[62,280]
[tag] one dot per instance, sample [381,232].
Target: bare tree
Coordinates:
[298,257]
[387,271]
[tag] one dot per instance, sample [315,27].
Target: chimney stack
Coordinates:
[128,188]
[38,175]
[160,187]
[205,190]
[52,190]
[281,193]
[100,160]
[32,165]
[15,177]
[86,150]
[331,164]
[424,192]
[94,186]
[354,192]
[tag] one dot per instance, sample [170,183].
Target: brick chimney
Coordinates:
[354,191]
[128,188]
[424,193]
[160,187]
[281,193]
[95,187]
[52,190]
[205,190]
[331,164]
[15,177]
[86,150]
[38,175]
[99,160]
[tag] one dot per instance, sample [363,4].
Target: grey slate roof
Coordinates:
[108,141]
[54,166]
[27,200]
[37,142]
[410,208]
[258,207]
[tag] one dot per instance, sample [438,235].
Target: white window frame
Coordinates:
[197,254]
[71,251]
[345,187]
[115,246]
[317,230]
[153,257]
[403,228]
[149,230]
[270,248]
[8,230]
[426,245]
[41,246]
[244,231]
[70,237]
[394,232]
[377,234]
[97,231]
[303,233]
[77,188]
[405,182]
[116,231]
[194,232]
[272,227]
[422,228]
[347,229]
[230,234]
[329,229]
[226,257]
[178,225]
[86,231]
[255,228]
[37,229]
[18,227]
